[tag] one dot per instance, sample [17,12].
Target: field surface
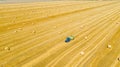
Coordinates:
[34,34]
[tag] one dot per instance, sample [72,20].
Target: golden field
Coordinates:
[33,34]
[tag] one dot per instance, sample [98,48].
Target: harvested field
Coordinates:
[33,34]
